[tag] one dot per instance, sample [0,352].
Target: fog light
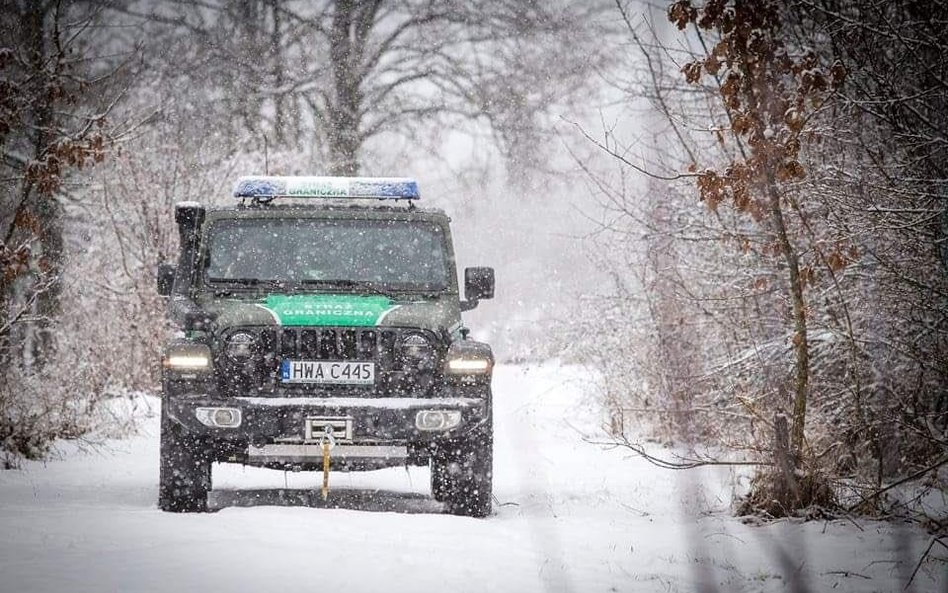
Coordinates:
[225,417]
[219,417]
[434,420]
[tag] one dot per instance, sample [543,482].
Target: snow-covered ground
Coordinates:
[571,517]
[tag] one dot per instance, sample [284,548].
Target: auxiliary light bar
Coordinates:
[381,188]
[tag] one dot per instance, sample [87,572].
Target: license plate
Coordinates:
[327,372]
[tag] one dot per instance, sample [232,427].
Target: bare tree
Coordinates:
[56,97]
[328,77]
[814,280]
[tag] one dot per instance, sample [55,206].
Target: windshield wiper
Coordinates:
[345,283]
[241,282]
[363,285]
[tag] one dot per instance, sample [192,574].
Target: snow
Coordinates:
[571,517]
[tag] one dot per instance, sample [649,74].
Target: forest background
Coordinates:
[735,211]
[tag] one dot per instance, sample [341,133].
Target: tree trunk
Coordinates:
[49,277]
[280,114]
[343,149]
[43,206]
[784,481]
[350,26]
[676,353]
[801,346]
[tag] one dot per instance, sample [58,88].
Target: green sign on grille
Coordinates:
[328,309]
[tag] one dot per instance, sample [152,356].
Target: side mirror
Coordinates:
[165,278]
[478,283]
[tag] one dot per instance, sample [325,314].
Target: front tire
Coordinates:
[184,472]
[462,474]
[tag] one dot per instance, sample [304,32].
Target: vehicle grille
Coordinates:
[331,343]
[395,375]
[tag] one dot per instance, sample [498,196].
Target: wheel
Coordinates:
[184,471]
[467,473]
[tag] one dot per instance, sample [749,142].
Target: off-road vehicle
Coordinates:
[321,329]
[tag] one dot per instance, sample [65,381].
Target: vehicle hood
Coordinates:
[336,310]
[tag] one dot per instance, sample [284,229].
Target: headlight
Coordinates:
[468,366]
[186,359]
[416,348]
[187,362]
[240,346]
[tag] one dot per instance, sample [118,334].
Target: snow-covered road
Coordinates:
[571,517]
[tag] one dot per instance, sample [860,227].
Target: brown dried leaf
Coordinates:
[807,276]
[742,124]
[712,65]
[682,13]
[711,188]
[692,72]
[789,170]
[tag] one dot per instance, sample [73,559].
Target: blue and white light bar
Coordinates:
[382,188]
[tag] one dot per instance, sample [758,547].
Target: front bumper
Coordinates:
[273,430]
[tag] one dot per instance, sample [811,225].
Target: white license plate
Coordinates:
[327,372]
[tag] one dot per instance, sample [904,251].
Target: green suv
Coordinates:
[321,329]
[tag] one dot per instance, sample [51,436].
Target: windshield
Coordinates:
[331,253]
